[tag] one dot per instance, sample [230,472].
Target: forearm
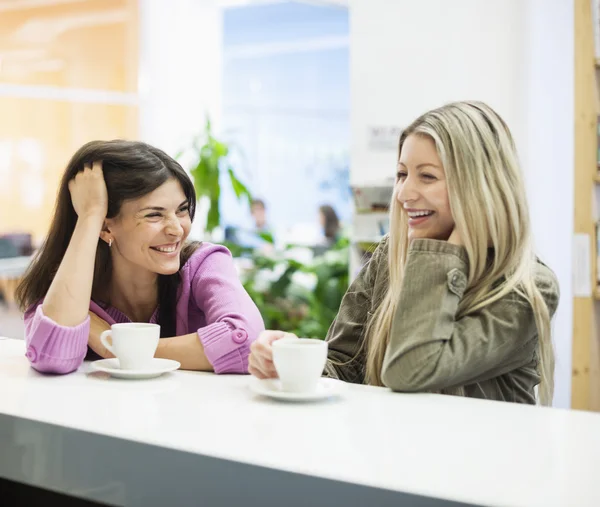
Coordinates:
[431,347]
[68,298]
[187,349]
[425,319]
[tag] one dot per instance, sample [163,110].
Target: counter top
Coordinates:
[431,446]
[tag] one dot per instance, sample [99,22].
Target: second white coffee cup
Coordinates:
[133,343]
[299,363]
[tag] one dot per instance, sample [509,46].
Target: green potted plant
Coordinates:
[210,159]
[299,296]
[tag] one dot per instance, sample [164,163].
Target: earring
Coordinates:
[109,243]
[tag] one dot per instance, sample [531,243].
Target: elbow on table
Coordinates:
[405,378]
[52,348]
[53,365]
[227,344]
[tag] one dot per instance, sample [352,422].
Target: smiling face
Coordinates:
[421,190]
[148,233]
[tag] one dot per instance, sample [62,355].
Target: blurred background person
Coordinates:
[330,224]
[258,210]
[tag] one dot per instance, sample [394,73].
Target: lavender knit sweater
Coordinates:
[211,301]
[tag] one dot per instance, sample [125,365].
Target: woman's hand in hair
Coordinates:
[97,325]
[260,363]
[88,192]
[455,238]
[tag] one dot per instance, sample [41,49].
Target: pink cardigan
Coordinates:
[211,301]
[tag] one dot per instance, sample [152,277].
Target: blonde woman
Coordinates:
[454,300]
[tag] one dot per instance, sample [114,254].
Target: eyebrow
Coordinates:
[160,208]
[420,166]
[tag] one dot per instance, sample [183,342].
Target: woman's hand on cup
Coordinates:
[88,192]
[260,363]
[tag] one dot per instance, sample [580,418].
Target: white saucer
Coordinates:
[326,388]
[157,368]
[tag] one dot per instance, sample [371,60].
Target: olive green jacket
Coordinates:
[491,353]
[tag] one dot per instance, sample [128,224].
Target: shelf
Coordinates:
[384,214]
[367,240]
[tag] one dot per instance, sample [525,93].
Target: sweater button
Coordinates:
[457,282]
[239,336]
[31,354]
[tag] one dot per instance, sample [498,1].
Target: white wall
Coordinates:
[408,57]
[516,55]
[180,69]
[548,158]
[181,46]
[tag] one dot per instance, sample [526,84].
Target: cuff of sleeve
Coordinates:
[227,349]
[55,348]
[437,246]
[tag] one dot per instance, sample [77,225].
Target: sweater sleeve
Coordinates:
[52,348]
[233,321]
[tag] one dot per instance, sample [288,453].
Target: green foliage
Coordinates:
[211,157]
[299,297]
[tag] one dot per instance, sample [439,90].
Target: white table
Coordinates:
[192,438]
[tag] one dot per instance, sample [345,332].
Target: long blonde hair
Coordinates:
[489,206]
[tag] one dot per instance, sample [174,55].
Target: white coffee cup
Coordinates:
[299,363]
[133,343]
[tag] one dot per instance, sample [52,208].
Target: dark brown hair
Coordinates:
[332,222]
[131,170]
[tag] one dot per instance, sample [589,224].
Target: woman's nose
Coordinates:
[407,191]
[174,227]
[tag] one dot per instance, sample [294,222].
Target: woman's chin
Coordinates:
[167,268]
[169,271]
[412,235]
[437,235]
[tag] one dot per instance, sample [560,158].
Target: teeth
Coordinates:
[168,249]
[415,214]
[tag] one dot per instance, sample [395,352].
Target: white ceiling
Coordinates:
[242,3]
[10,5]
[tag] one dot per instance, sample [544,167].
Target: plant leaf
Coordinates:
[266,236]
[214,216]
[238,187]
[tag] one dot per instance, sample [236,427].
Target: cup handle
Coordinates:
[104,341]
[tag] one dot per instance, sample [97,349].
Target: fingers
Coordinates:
[268,337]
[97,166]
[258,372]
[262,370]
[90,175]
[260,363]
[94,167]
[81,176]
